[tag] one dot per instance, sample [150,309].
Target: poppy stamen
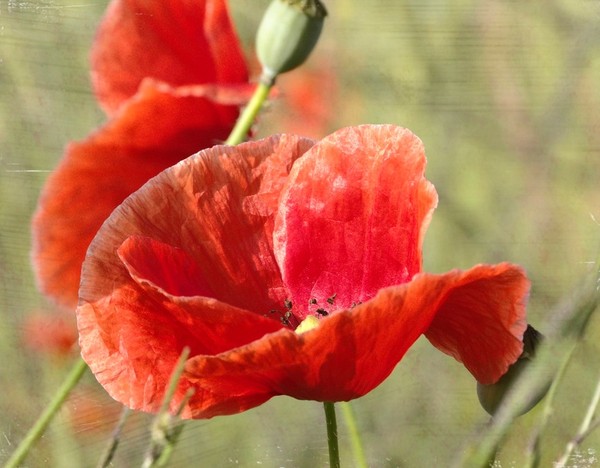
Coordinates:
[286,317]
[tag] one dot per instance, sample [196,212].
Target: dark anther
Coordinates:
[285,318]
[331,299]
[288,304]
[322,312]
[312,301]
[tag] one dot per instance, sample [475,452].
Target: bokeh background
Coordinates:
[505,96]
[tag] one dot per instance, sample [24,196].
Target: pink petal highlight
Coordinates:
[353,215]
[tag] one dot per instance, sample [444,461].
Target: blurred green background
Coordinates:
[505,96]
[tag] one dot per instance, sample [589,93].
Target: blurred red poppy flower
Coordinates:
[230,250]
[171,77]
[53,332]
[180,42]
[91,413]
[307,103]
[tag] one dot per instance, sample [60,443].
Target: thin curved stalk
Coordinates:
[47,415]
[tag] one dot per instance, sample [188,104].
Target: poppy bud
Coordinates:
[287,35]
[491,396]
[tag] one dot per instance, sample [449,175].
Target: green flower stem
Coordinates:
[357,446]
[332,436]
[47,415]
[248,115]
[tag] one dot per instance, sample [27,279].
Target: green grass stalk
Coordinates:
[355,439]
[47,415]
[584,429]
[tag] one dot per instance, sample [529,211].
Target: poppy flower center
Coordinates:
[322,310]
[326,307]
[300,320]
[286,316]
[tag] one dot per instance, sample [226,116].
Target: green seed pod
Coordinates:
[287,35]
[491,396]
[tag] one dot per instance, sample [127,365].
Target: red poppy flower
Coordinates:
[53,332]
[230,250]
[181,42]
[171,77]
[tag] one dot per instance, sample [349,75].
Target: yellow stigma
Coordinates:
[307,324]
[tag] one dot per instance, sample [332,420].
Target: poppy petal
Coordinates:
[97,174]
[346,356]
[133,338]
[218,207]
[482,321]
[353,215]
[167,268]
[353,351]
[180,42]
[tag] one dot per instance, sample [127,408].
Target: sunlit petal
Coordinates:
[353,215]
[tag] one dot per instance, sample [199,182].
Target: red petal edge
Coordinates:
[481,322]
